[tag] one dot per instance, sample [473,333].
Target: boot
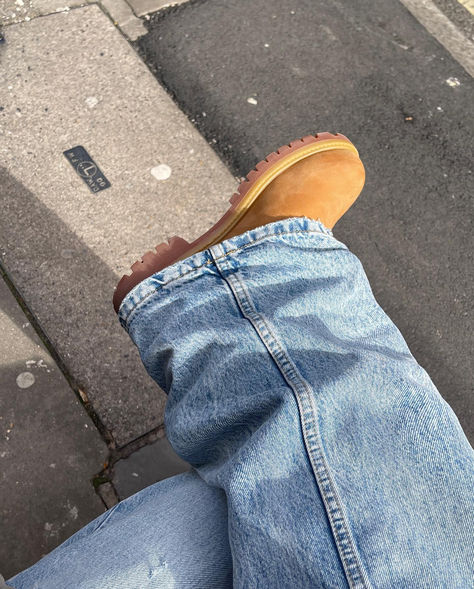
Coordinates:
[319,176]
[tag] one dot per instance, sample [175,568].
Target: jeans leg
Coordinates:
[171,535]
[292,391]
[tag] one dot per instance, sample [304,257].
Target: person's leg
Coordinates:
[292,391]
[172,534]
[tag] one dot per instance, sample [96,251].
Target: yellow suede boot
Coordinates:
[319,176]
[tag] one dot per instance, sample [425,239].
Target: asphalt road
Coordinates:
[371,71]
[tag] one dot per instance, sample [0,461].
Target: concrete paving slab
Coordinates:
[119,11]
[49,447]
[146,466]
[369,70]
[72,79]
[142,7]
[15,11]
[124,18]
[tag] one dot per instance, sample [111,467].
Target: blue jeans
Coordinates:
[322,453]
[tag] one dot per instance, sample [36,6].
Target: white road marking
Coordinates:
[445,32]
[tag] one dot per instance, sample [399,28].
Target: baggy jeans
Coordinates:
[323,455]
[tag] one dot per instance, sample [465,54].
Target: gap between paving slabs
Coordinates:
[48,447]
[104,475]
[103,481]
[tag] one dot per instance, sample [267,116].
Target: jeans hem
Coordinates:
[155,282]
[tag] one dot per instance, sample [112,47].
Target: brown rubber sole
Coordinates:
[248,190]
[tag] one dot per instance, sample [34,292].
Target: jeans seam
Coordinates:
[127,319]
[355,574]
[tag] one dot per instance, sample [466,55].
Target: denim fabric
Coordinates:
[171,535]
[298,403]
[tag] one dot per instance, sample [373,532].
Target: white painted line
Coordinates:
[444,31]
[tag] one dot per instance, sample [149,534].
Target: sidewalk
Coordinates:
[74,79]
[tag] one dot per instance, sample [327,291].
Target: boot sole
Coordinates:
[248,191]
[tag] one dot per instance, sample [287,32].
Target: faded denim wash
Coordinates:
[323,454]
